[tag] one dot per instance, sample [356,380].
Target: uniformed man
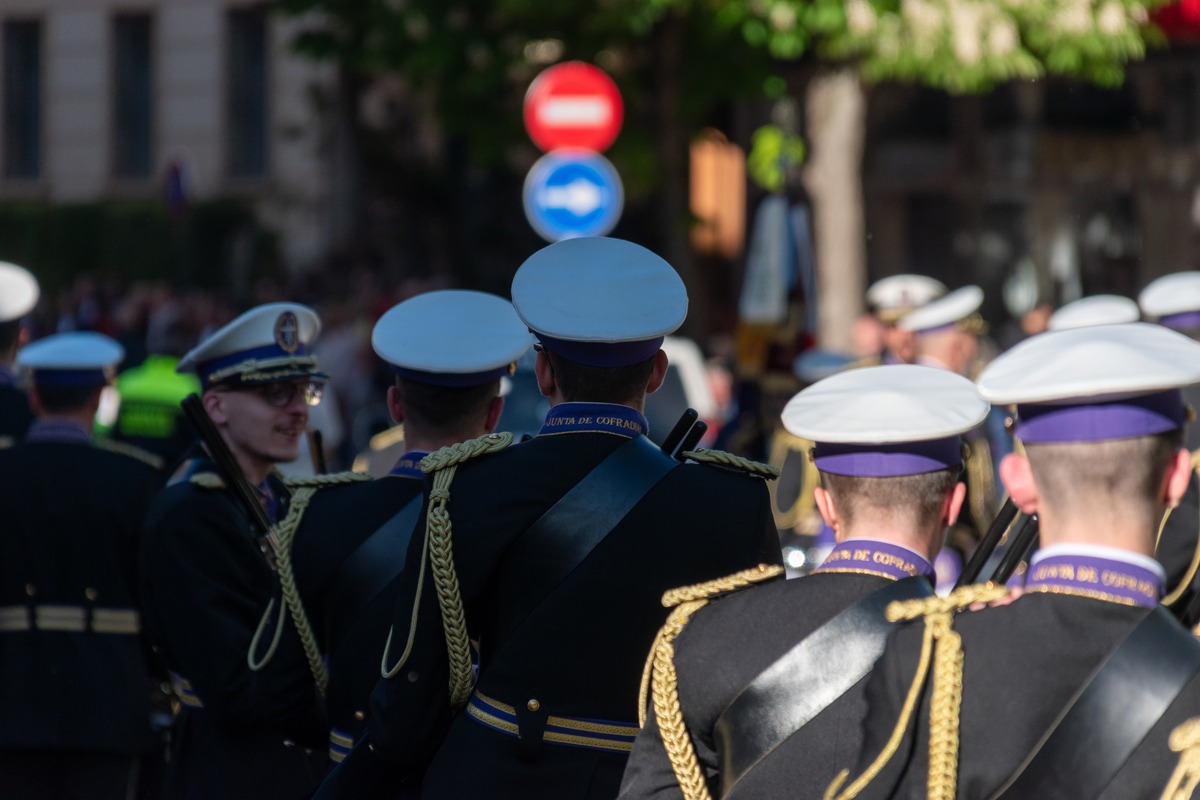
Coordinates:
[769,693]
[947,332]
[211,598]
[18,295]
[1096,309]
[553,554]
[889,300]
[76,716]
[1074,688]
[449,351]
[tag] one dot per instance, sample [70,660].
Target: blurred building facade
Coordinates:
[180,99]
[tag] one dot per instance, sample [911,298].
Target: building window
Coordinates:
[247,76]
[22,99]
[133,96]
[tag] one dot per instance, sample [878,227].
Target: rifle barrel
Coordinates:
[987,545]
[1024,536]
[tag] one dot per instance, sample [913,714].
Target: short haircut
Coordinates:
[917,498]
[66,399]
[445,411]
[583,383]
[1077,477]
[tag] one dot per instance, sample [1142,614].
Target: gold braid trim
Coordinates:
[132,451]
[1176,593]
[207,480]
[443,464]
[1185,740]
[947,661]
[661,682]
[699,591]
[325,479]
[286,533]
[736,462]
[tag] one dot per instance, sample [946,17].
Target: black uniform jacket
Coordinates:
[724,647]
[350,629]
[15,415]
[1022,664]
[205,587]
[73,665]
[580,652]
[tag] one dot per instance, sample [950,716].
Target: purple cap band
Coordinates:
[1145,415]
[70,377]
[603,354]
[1188,319]
[453,380]
[888,460]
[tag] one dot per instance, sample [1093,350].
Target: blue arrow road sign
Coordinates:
[570,193]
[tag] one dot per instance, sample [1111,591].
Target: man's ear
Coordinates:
[214,406]
[828,509]
[658,372]
[1017,478]
[547,384]
[952,505]
[1179,474]
[495,408]
[395,404]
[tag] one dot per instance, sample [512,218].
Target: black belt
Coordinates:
[806,680]
[1106,721]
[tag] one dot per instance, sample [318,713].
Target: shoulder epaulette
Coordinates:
[385,439]
[328,479]
[145,456]
[943,654]
[723,459]
[207,480]
[1185,740]
[660,682]
[455,454]
[719,586]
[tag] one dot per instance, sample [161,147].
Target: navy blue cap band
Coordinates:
[454,380]
[603,354]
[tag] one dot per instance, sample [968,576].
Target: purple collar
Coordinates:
[1097,577]
[268,499]
[58,431]
[7,376]
[873,557]
[409,465]
[595,418]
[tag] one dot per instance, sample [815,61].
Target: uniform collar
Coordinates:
[1098,572]
[595,418]
[7,376]
[409,465]
[875,557]
[58,431]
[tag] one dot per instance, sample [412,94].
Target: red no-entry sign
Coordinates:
[573,105]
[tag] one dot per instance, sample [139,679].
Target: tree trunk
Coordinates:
[836,126]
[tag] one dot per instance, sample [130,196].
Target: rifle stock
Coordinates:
[686,420]
[1025,533]
[987,545]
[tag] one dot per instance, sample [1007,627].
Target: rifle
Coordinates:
[675,437]
[694,435]
[1025,533]
[987,545]
[230,472]
[316,450]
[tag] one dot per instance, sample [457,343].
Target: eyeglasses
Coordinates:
[281,394]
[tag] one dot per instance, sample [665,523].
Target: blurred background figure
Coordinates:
[19,293]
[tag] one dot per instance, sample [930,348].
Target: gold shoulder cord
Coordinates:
[1185,740]
[661,665]
[438,550]
[942,646]
[1173,596]
[285,533]
[145,456]
[207,480]
[730,460]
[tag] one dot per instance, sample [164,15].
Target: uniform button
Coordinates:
[30,589]
[89,593]
[360,716]
[533,705]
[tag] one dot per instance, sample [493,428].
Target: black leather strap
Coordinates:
[1104,723]
[806,680]
[570,529]
[368,570]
